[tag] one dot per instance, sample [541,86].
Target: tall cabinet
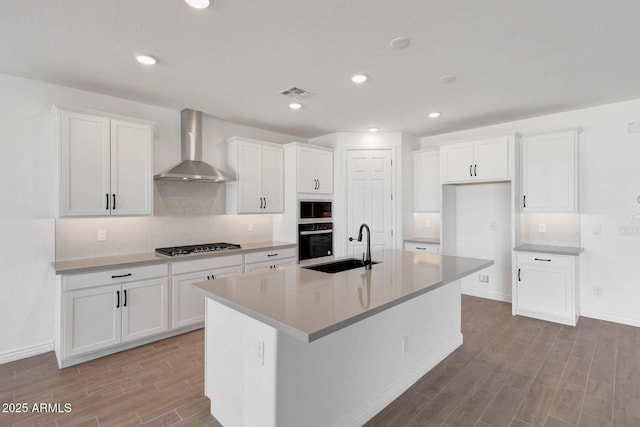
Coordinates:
[105,164]
[259,169]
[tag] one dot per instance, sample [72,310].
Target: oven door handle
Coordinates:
[306,233]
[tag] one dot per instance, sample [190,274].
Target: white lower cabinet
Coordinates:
[92,320]
[264,260]
[188,306]
[145,309]
[429,248]
[545,287]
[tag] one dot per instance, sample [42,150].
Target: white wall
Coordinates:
[28,186]
[609,188]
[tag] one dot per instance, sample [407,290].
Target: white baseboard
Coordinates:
[631,321]
[370,409]
[23,353]
[487,295]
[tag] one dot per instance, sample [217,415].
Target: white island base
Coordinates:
[256,375]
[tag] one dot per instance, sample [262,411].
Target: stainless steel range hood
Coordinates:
[192,168]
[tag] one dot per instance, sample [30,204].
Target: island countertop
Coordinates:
[308,304]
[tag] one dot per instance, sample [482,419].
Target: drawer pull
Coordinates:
[276,254]
[422,249]
[121,275]
[542,259]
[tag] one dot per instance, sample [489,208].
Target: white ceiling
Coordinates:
[512,59]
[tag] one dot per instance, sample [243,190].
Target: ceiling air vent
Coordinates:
[295,92]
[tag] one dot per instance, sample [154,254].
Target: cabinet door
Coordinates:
[426,181]
[249,177]
[491,159]
[91,319]
[145,308]
[544,290]
[131,173]
[549,172]
[85,164]
[306,170]
[457,162]
[188,305]
[324,172]
[272,179]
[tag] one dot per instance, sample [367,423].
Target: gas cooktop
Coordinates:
[196,249]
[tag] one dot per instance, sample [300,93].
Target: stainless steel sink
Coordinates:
[338,266]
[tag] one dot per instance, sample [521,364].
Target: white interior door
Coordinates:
[369,184]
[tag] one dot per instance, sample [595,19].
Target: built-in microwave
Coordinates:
[315,210]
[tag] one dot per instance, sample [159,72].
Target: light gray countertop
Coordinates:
[308,304]
[130,260]
[549,249]
[429,240]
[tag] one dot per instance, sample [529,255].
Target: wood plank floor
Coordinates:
[511,371]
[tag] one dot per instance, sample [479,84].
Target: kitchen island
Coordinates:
[293,346]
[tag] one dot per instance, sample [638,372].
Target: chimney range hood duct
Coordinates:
[192,168]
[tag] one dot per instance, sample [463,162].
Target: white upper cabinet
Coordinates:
[484,160]
[259,169]
[550,172]
[426,181]
[105,165]
[314,170]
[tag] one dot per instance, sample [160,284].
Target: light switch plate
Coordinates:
[102,235]
[542,228]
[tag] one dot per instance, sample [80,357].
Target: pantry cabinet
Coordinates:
[105,165]
[426,181]
[259,169]
[475,161]
[549,172]
[314,170]
[545,287]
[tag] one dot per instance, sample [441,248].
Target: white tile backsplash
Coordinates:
[561,229]
[76,238]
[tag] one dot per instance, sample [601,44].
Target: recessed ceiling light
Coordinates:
[446,79]
[198,4]
[295,106]
[373,130]
[434,115]
[359,78]
[399,42]
[146,59]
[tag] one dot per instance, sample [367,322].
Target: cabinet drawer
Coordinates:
[271,255]
[430,248]
[262,266]
[105,277]
[205,264]
[544,260]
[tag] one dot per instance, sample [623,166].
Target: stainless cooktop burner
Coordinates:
[194,249]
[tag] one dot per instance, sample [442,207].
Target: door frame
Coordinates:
[340,233]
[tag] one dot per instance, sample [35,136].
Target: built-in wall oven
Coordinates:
[315,240]
[315,229]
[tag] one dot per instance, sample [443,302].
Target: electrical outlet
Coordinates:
[250,227]
[542,228]
[102,235]
[484,278]
[597,230]
[597,292]
[260,352]
[405,344]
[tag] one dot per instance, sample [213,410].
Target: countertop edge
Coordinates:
[104,263]
[549,249]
